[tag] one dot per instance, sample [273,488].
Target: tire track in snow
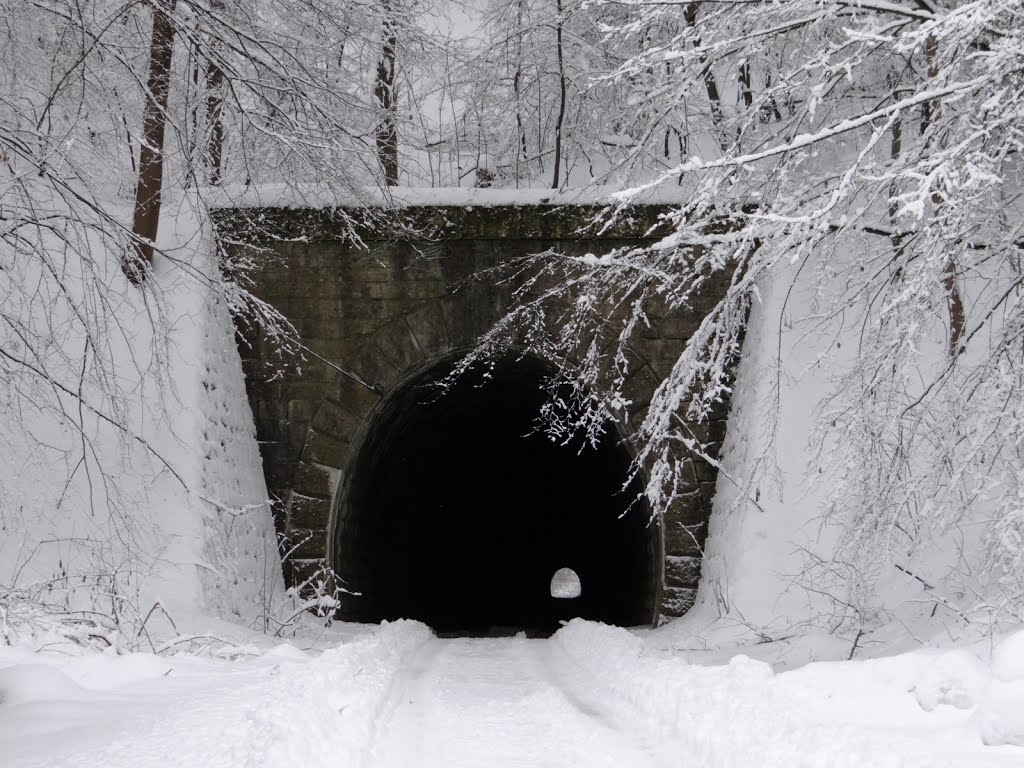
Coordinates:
[495,702]
[397,717]
[592,697]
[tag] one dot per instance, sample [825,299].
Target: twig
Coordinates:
[913,576]
[163,611]
[856,640]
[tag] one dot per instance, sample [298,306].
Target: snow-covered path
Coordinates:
[497,702]
[399,697]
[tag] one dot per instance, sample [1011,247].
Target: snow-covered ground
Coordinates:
[397,697]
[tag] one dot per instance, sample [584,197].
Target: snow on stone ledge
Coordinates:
[316,196]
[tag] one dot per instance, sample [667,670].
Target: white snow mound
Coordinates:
[957,678]
[1000,716]
[1008,658]
[23,683]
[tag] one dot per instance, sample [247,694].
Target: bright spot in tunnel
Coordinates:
[565,584]
[460,510]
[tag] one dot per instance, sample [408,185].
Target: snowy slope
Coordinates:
[773,565]
[156,508]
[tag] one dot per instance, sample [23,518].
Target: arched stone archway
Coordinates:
[375,319]
[456,509]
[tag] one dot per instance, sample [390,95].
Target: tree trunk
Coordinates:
[710,84]
[955,304]
[151,155]
[561,97]
[895,149]
[384,90]
[214,113]
[517,86]
[746,85]
[214,109]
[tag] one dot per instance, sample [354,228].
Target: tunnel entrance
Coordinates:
[459,512]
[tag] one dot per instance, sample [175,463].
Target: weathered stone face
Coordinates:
[377,320]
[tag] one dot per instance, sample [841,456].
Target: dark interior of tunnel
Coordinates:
[460,510]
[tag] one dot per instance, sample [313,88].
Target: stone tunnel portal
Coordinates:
[460,510]
[423,508]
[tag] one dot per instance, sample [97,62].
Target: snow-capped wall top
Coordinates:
[322,196]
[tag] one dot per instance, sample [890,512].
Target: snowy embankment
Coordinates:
[131,494]
[283,707]
[921,708]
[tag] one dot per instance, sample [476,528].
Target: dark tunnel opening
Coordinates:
[460,511]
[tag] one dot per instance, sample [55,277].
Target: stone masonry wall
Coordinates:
[373,317]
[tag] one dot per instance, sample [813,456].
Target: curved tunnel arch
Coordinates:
[456,511]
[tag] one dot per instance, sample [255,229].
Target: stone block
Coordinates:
[278,474]
[466,319]
[674,327]
[313,480]
[330,325]
[398,344]
[405,291]
[365,269]
[659,353]
[697,430]
[277,510]
[376,313]
[300,388]
[296,431]
[268,411]
[334,420]
[250,366]
[640,387]
[676,602]
[429,330]
[686,510]
[712,291]
[372,367]
[707,490]
[324,449]
[684,540]
[458,265]
[355,396]
[306,543]
[706,473]
[300,410]
[682,571]
[328,357]
[308,512]
[323,255]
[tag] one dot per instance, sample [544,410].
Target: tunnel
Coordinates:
[459,511]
